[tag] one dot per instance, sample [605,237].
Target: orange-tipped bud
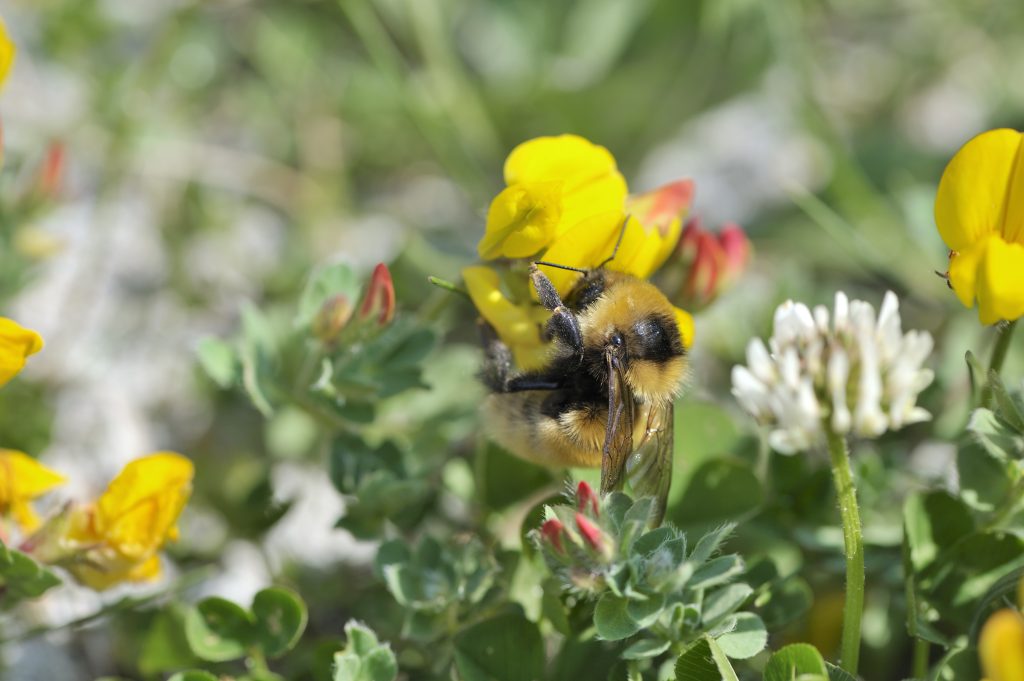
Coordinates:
[661,207]
[591,533]
[332,317]
[586,498]
[712,262]
[52,171]
[379,301]
[552,530]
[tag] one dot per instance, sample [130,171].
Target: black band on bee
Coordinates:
[656,338]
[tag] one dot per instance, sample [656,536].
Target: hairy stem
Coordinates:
[922,649]
[854,548]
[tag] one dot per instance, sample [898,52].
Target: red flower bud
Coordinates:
[332,317]
[659,208]
[380,296]
[52,170]
[585,497]
[591,533]
[552,530]
[711,262]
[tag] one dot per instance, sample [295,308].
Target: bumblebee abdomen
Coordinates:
[572,437]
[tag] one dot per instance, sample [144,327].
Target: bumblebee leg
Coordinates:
[563,324]
[497,359]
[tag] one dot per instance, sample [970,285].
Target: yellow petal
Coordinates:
[138,512]
[1001,282]
[518,325]
[7,51]
[569,158]
[22,479]
[645,248]
[982,191]
[1001,646]
[586,246]
[687,329]
[16,344]
[590,181]
[522,220]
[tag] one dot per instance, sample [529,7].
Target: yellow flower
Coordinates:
[553,184]
[119,535]
[6,53]
[979,210]
[1001,646]
[518,325]
[22,479]
[651,233]
[16,344]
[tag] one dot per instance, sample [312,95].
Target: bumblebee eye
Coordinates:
[617,340]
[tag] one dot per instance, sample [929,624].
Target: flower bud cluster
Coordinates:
[850,371]
[377,308]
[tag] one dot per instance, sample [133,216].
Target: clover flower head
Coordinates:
[850,370]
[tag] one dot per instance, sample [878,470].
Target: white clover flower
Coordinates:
[862,375]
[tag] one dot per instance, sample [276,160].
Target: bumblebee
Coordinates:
[605,396]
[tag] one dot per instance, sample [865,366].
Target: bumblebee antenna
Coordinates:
[618,242]
[615,251]
[561,267]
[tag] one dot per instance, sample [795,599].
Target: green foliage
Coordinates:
[218,630]
[22,578]
[796,662]
[364,658]
[507,647]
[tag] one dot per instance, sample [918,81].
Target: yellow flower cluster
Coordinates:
[979,210]
[1001,644]
[117,537]
[567,203]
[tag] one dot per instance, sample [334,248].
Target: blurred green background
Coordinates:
[217,151]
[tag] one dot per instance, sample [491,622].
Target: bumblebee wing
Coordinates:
[618,434]
[649,469]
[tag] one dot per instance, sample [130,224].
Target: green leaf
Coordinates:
[364,658]
[280,620]
[719,490]
[21,577]
[710,542]
[716,571]
[336,279]
[193,675]
[985,479]
[933,521]
[645,612]
[506,479]
[218,360]
[164,646]
[218,630]
[796,662]
[722,602]
[645,648]
[504,648]
[786,601]
[746,639]
[612,620]
[697,664]
[257,355]
[838,673]
[959,664]
[1008,409]
[997,436]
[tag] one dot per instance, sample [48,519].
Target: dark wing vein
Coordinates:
[618,435]
[649,469]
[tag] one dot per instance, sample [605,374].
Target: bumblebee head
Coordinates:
[636,324]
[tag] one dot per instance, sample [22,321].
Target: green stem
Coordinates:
[995,363]
[854,546]
[922,650]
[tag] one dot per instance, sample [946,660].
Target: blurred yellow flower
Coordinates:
[6,53]
[553,183]
[119,535]
[22,479]
[1001,646]
[979,210]
[16,344]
